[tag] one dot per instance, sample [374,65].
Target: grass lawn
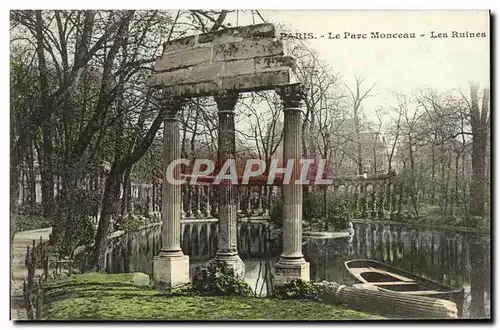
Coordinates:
[114,297]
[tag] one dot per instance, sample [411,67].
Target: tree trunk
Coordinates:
[360,155]
[127,192]
[109,201]
[60,212]
[14,195]
[457,180]
[479,124]
[46,172]
[433,177]
[412,180]
[31,178]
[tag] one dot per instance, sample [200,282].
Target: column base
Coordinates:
[170,270]
[228,262]
[285,271]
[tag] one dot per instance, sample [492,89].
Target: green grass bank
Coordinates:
[96,296]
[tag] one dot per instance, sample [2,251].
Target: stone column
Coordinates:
[171,266]
[292,264]
[227,256]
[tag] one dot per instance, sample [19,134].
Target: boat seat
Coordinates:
[392,283]
[420,293]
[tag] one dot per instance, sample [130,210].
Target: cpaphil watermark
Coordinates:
[299,172]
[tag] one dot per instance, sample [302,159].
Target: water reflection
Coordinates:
[451,257]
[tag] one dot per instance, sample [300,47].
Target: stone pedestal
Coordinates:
[170,271]
[292,264]
[171,266]
[285,272]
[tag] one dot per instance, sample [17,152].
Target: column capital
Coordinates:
[170,105]
[226,100]
[291,95]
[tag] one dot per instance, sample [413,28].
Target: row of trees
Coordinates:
[79,98]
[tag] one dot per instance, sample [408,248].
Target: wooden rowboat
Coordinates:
[387,278]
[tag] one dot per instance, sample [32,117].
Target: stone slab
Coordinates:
[243,83]
[265,30]
[196,74]
[236,34]
[237,67]
[176,45]
[214,73]
[259,81]
[185,58]
[269,62]
[247,49]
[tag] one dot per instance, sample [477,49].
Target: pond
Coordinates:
[452,257]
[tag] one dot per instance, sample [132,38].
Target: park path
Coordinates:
[19,271]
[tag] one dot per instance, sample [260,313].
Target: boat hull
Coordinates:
[388,278]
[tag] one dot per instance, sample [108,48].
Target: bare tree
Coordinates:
[357,97]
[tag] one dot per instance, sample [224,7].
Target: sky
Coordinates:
[395,65]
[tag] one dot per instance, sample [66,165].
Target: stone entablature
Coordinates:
[242,59]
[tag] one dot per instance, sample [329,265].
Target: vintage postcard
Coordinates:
[250,165]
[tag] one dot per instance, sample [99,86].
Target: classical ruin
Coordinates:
[224,64]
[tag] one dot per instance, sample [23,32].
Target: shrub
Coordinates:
[214,282]
[313,211]
[338,213]
[75,214]
[276,213]
[313,207]
[31,221]
[133,221]
[296,289]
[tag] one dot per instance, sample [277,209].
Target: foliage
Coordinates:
[134,221]
[214,281]
[313,206]
[313,211]
[76,213]
[80,97]
[96,296]
[276,212]
[338,213]
[143,169]
[296,289]
[31,222]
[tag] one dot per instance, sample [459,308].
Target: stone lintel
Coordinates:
[170,270]
[265,80]
[259,81]
[216,72]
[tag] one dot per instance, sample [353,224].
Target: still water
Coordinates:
[441,255]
